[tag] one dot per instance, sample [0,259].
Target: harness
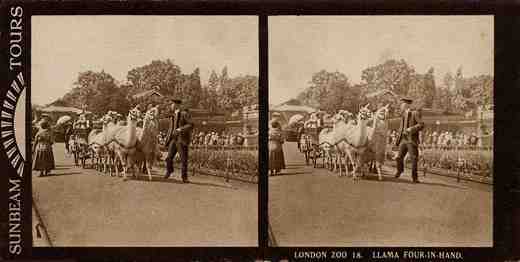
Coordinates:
[117,142]
[346,141]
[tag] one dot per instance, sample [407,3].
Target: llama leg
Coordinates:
[338,162]
[149,169]
[112,165]
[133,165]
[379,167]
[345,164]
[340,165]
[105,163]
[348,160]
[116,165]
[124,164]
[355,166]
[335,163]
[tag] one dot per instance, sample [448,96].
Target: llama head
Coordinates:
[364,113]
[382,112]
[152,114]
[114,115]
[346,115]
[106,119]
[338,118]
[134,114]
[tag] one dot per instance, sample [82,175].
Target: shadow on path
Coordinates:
[156,179]
[61,174]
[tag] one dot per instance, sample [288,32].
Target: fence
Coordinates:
[460,161]
[236,162]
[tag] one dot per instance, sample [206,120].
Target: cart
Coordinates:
[309,145]
[80,147]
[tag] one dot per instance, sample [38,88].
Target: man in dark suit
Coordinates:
[178,139]
[408,138]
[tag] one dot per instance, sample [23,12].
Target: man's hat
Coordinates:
[406,100]
[276,114]
[176,100]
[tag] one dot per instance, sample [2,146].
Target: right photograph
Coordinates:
[381,131]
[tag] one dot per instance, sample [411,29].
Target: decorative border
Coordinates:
[7,124]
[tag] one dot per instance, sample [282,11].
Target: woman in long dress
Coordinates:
[276,157]
[43,160]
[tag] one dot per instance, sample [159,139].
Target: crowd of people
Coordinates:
[442,139]
[218,139]
[212,138]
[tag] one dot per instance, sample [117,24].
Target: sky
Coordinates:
[63,46]
[302,45]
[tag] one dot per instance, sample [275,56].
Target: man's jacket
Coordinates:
[181,121]
[412,121]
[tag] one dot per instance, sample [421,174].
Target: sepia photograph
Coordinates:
[144,130]
[381,131]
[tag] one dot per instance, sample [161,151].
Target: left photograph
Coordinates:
[144,130]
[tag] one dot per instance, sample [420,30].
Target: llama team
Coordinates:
[407,139]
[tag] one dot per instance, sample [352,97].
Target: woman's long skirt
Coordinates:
[43,159]
[276,157]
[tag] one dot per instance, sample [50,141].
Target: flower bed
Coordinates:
[235,162]
[477,162]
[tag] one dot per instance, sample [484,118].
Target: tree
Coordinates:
[448,81]
[481,88]
[422,89]
[239,92]
[98,91]
[224,77]
[209,100]
[330,91]
[164,74]
[111,98]
[444,99]
[189,87]
[91,87]
[393,75]
[213,82]
[461,93]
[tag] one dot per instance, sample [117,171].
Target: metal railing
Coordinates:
[455,161]
[225,147]
[231,168]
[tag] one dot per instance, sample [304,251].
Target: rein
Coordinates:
[345,140]
[350,144]
[123,146]
[117,142]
